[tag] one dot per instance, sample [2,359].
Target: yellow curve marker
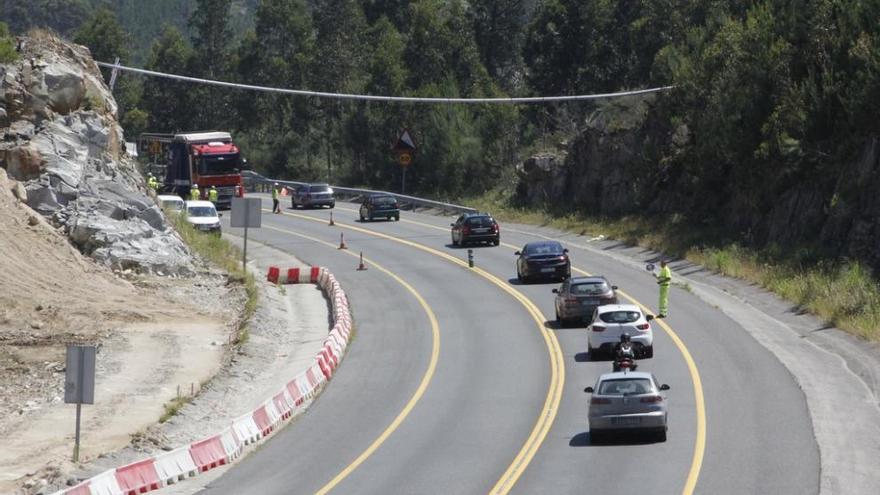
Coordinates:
[557,367]
[699,399]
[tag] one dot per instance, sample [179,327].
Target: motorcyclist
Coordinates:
[623,351]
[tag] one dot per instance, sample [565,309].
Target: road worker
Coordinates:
[152,183]
[212,195]
[276,208]
[664,280]
[194,193]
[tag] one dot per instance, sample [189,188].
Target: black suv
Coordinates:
[475,227]
[380,206]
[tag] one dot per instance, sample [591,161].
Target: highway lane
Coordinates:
[758,427]
[474,416]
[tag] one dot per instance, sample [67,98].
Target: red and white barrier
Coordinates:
[138,477]
[177,465]
[208,453]
[245,428]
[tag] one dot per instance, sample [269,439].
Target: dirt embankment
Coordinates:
[154,335]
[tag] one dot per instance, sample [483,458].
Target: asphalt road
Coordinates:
[450,376]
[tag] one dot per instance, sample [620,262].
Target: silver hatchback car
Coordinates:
[627,402]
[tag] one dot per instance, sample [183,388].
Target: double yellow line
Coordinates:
[557,370]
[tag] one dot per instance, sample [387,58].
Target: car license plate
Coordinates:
[626,421]
[548,270]
[481,231]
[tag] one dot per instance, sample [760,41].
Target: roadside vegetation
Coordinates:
[228,257]
[7,45]
[842,292]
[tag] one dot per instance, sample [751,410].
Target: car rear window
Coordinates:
[479,222]
[320,189]
[626,386]
[589,288]
[543,249]
[384,200]
[620,316]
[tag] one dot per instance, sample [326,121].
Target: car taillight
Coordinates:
[598,328]
[599,400]
[495,228]
[652,399]
[465,230]
[643,327]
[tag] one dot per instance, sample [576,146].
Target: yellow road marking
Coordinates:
[700,440]
[423,385]
[557,368]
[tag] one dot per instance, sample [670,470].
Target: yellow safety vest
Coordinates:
[194,194]
[665,277]
[212,195]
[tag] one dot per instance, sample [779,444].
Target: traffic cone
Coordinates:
[331,218]
[362,266]
[342,242]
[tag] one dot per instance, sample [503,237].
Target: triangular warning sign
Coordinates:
[405,142]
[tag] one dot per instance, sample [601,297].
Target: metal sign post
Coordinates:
[245,213]
[79,383]
[405,148]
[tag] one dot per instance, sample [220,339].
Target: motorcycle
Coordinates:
[624,359]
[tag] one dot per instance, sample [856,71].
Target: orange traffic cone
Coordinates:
[362,266]
[331,218]
[342,242]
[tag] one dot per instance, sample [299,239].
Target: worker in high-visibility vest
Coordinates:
[152,183]
[212,195]
[194,193]
[276,207]
[664,280]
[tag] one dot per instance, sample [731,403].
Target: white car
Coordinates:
[203,216]
[611,321]
[170,202]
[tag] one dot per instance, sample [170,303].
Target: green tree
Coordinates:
[211,35]
[169,102]
[498,33]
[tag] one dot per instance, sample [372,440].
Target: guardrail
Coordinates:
[255,182]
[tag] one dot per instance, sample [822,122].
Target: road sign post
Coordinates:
[405,148]
[79,383]
[245,213]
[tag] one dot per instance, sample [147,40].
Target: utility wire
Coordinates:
[409,99]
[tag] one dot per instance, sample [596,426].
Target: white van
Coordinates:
[170,202]
[203,216]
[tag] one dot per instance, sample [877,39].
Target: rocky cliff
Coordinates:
[61,139]
[624,160]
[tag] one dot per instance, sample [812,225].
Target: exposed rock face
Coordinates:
[62,140]
[602,171]
[611,168]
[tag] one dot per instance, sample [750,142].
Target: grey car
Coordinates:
[627,402]
[578,297]
[313,195]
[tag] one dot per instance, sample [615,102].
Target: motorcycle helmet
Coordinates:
[625,338]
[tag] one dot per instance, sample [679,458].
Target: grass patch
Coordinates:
[173,407]
[222,253]
[840,291]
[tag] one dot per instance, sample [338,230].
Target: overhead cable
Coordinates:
[401,99]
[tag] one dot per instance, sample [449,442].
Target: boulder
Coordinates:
[65,87]
[23,162]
